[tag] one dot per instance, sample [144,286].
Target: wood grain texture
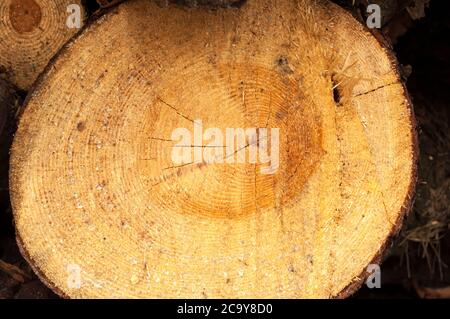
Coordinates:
[31,33]
[92,183]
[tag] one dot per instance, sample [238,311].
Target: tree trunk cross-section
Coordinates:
[101,210]
[31,32]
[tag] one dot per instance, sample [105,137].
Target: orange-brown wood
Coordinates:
[31,33]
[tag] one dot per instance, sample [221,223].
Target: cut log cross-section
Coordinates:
[99,199]
[31,32]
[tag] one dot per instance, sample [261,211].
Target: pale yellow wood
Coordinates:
[93,185]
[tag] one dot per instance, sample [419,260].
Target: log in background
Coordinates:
[418,259]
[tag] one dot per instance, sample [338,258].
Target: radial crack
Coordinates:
[375,89]
[175,109]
